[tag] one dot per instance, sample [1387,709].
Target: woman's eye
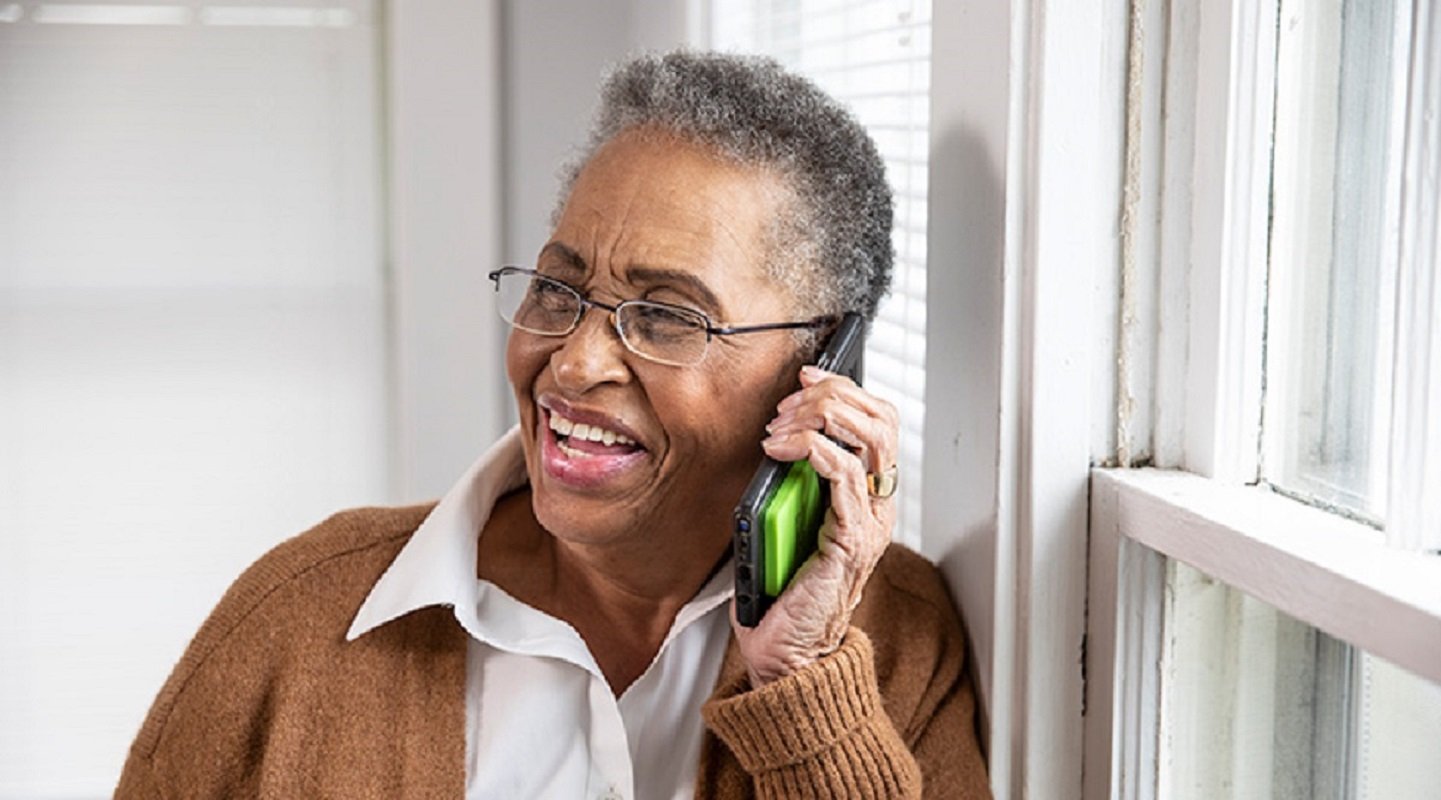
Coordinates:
[551,295]
[657,323]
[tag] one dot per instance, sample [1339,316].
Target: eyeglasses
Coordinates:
[657,331]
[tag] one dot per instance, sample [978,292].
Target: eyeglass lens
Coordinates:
[550,308]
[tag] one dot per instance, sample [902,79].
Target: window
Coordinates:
[1278,630]
[874,56]
[1259,704]
[192,339]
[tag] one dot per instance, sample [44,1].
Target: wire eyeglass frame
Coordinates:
[614,312]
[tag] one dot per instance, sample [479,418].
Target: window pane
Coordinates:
[1253,702]
[1331,294]
[1398,733]
[1256,704]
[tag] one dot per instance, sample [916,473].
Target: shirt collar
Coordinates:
[437,568]
[437,565]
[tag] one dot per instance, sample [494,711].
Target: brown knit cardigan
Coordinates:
[270,700]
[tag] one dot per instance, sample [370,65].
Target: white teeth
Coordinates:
[581,430]
[571,452]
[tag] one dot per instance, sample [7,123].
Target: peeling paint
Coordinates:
[1130,202]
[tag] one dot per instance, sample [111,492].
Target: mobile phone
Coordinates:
[779,516]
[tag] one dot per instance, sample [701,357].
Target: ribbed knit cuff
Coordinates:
[818,732]
[795,717]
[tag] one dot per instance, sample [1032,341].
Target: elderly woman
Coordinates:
[559,624]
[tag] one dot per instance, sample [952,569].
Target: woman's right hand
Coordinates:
[810,618]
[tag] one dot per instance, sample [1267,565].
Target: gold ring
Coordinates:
[884,484]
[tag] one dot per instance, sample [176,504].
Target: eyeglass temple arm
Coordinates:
[819,322]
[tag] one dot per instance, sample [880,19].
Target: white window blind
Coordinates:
[192,339]
[874,56]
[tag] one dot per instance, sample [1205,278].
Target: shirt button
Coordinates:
[612,794]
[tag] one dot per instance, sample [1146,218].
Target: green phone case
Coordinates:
[777,521]
[791,523]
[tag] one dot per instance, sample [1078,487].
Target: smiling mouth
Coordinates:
[586,456]
[580,440]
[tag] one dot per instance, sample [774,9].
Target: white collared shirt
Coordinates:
[541,720]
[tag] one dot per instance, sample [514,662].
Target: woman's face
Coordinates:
[658,219]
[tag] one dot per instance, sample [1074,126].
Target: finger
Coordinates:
[856,531]
[849,499]
[846,414]
[873,440]
[873,404]
[820,387]
[817,383]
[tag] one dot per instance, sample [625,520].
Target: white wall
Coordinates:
[966,251]
[192,344]
[555,54]
[443,87]
[486,101]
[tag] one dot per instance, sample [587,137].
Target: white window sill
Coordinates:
[1327,571]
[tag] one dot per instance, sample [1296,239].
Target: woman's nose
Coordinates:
[591,355]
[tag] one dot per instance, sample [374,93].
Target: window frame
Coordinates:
[1022,226]
[1335,574]
[1330,572]
[1414,516]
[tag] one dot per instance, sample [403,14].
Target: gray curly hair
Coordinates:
[833,241]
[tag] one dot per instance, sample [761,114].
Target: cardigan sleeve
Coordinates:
[823,732]
[819,732]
